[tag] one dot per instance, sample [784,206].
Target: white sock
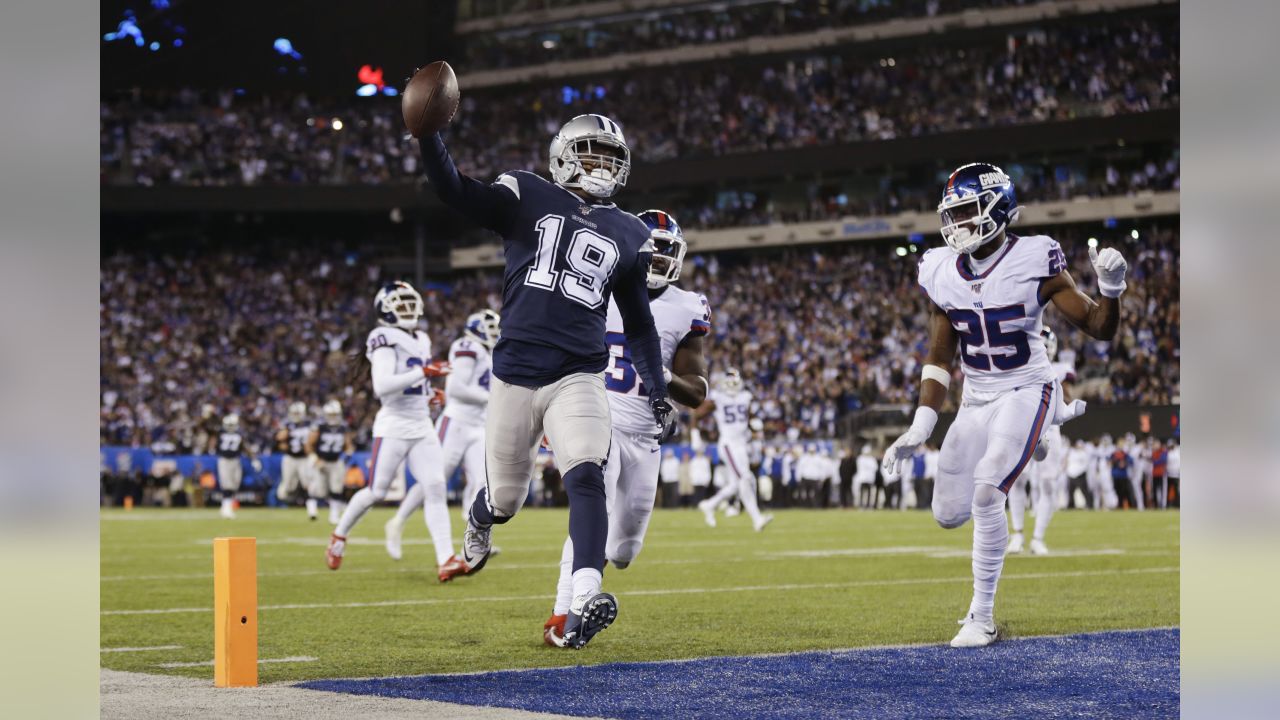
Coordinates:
[747,494]
[437,515]
[586,582]
[360,504]
[990,537]
[564,586]
[414,497]
[1017,505]
[312,506]
[226,505]
[1046,504]
[726,493]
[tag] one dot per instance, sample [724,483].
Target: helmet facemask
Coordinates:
[667,260]
[484,326]
[732,380]
[966,220]
[400,306]
[597,165]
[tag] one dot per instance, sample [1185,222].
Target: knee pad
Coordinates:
[987,497]
[378,494]
[626,552]
[950,521]
[434,492]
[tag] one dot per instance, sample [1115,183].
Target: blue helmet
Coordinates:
[669,248]
[978,203]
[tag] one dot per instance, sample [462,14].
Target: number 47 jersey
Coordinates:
[564,257]
[677,314]
[996,313]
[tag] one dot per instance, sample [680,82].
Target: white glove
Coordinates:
[1069,411]
[1110,267]
[904,447]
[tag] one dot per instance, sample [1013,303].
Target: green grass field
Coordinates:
[812,580]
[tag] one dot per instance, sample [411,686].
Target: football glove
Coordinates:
[437,397]
[905,446]
[1069,411]
[437,368]
[1110,267]
[664,413]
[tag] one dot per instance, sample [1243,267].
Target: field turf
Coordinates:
[813,580]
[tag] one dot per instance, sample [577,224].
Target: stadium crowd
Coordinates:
[1062,72]
[817,332]
[722,23]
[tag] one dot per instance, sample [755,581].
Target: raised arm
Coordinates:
[490,206]
[1097,318]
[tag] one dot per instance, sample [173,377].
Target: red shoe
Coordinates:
[452,568]
[553,631]
[333,554]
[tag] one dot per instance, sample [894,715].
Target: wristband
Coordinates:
[1112,291]
[937,374]
[925,418]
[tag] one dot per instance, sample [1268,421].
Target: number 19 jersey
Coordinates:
[677,314]
[563,258]
[997,313]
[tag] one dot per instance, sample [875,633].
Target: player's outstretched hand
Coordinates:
[1110,267]
[438,368]
[664,414]
[1069,411]
[901,450]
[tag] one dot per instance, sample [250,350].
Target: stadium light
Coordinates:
[901,251]
[337,123]
[1134,233]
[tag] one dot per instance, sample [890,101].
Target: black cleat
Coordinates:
[587,617]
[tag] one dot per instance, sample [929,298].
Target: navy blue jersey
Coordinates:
[296,442]
[565,257]
[332,441]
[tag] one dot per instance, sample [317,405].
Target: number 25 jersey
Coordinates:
[563,258]
[997,313]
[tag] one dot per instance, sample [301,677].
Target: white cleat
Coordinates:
[974,633]
[708,512]
[764,520]
[1038,547]
[732,511]
[394,529]
[1015,544]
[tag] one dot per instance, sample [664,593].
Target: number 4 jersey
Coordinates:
[677,314]
[563,259]
[996,313]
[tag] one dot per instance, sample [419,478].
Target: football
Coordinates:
[430,99]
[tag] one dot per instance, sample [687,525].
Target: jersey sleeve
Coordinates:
[462,348]
[927,273]
[378,338]
[492,206]
[699,316]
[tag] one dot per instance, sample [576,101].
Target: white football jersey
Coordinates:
[677,314]
[733,412]
[466,398]
[996,314]
[406,413]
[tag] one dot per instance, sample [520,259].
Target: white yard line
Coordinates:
[664,591]
[140,649]
[209,663]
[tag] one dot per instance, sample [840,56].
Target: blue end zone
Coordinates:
[1129,674]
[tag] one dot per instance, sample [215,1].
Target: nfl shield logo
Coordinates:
[584,209]
[976,287]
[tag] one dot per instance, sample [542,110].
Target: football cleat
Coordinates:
[394,529]
[553,631]
[732,510]
[333,554]
[1015,544]
[1038,547]
[452,568]
[708,512]
[762,522]
[588,615]
[974,633]
[476,547]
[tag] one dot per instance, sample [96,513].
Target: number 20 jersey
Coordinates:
[404,413]
[563,258]
[677,314]
[996,314]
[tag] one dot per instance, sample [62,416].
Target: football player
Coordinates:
[568,251]
[731,403]
[328,443]
[988,289]
[294,468]
[229,446]
[460,426]
[683,319]
[400,358]
[1047,474]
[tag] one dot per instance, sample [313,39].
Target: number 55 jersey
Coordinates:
[677,314]
[996,313]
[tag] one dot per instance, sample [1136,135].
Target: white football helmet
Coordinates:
[297,412]
[732,380]
[398,305]
[231,422]
[333,412]
[590,153]
[1050,341]
[484,327]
